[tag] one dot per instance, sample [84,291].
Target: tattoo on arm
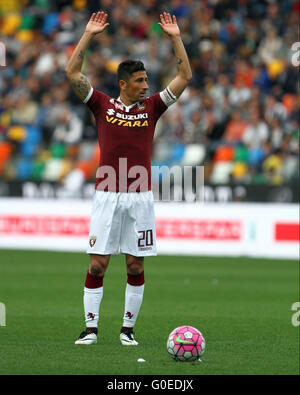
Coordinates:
[81,86]
[81,55]
[179,61]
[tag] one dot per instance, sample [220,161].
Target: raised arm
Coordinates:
[80,83]
[184,72]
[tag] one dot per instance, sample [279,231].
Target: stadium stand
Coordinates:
[239,116]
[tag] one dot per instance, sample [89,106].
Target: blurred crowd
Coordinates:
[239,117]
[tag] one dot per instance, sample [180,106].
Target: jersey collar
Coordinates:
[127,108]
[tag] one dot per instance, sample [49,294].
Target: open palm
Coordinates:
[97,23]
[169,24]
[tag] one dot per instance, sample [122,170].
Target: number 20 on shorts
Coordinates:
[145,238]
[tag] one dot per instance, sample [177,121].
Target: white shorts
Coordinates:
[122,222]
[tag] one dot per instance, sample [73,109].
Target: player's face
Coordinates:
[136,87]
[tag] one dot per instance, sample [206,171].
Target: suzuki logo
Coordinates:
[110,111]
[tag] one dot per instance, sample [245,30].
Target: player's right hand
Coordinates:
[97,23]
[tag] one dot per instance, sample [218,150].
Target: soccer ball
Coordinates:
[186,344]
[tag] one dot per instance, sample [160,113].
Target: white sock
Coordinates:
[133,301]
[91,301]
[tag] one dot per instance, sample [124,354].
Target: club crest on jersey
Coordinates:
[93,240]
[117,105]
[141,106]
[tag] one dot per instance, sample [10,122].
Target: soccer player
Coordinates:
[122,217]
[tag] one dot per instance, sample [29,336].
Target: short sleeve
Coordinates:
[158,106]
[95,100]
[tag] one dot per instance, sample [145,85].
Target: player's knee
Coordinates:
[135,265]
[98,265]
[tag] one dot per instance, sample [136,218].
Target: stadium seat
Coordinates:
[53,169]
[25,36]
[10,23]
[66,167]
[5,153]
[88,168]
[194,155]
[221,172]
[73,151]
[25,32]
[79,4]
[5,150]
[23,169]
[44,155]
[224,153]
[86,150]
[58,150]
[37,170]
[287,101]
[162,152]
[239,170]
[275,67]
[31,142]
[27,149]
[273,163]
[73,182]
[33,135]
[28,22]
[290,168]
[112,65]
[5,120]
[177,152]
[240,154]
[16,133]
[9,170]
[256,156]
[51,22]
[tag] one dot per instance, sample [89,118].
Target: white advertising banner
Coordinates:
[230,229]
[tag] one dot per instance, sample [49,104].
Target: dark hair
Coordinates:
[128,67]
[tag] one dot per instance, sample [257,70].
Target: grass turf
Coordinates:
[241,305]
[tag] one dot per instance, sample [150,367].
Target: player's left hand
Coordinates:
[97,23]
[169,24]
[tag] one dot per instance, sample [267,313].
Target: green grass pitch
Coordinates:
[241,305]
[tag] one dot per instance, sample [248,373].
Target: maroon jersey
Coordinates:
[125,135]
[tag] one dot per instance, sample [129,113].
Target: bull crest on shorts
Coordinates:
[93,240]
